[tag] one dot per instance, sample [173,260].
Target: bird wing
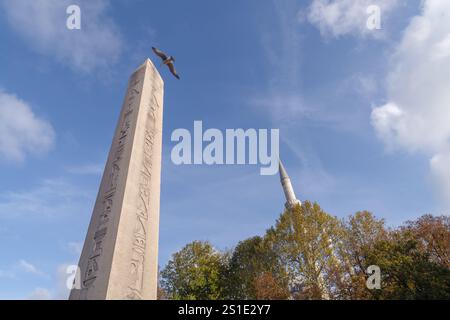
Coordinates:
[159,53]
[173,71]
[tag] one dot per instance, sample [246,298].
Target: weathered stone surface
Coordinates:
[120,254]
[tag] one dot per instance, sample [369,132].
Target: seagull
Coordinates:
[167,60]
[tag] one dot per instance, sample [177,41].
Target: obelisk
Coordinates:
[120,254]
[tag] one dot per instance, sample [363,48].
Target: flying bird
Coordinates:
[167,60]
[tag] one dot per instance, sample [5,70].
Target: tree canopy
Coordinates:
[310,254]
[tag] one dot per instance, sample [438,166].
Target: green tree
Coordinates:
[307,241]
[433,237]
[194,273]
[310,254]
[407,271]
[253,266]
[362,232]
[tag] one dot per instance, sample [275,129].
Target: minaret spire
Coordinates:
[291,199]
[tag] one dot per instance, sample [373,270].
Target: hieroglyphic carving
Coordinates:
[113,173]
[143,201]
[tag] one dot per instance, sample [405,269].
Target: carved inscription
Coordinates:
[112,178]
[143,199]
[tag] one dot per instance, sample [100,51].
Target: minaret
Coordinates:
[291,199]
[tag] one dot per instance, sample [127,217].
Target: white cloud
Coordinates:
[363,84]
[62,277]
[417,115]
[42,24]
[53,197]
[388,120]
[21,131]
[40,294]
[286,108]
[58,290]
[336,18]
[30,268]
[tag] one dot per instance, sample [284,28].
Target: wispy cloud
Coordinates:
[52,197]
[42,24]
[416,116]
[337,18]
[59,290]
[30,268]
[282,44]
[40,294]
[365,85]
[309,174]
[62,290]
[285,100]
[21,131]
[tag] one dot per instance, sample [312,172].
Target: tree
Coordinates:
[362,231]
[433,237]
[161,294]
[411,259]
[307,241]
[252,266]
[267,287]
[310,254]
[194,273]
[408,272]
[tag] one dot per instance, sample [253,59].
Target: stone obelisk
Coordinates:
[120,254]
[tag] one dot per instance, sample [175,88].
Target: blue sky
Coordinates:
[364,116]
